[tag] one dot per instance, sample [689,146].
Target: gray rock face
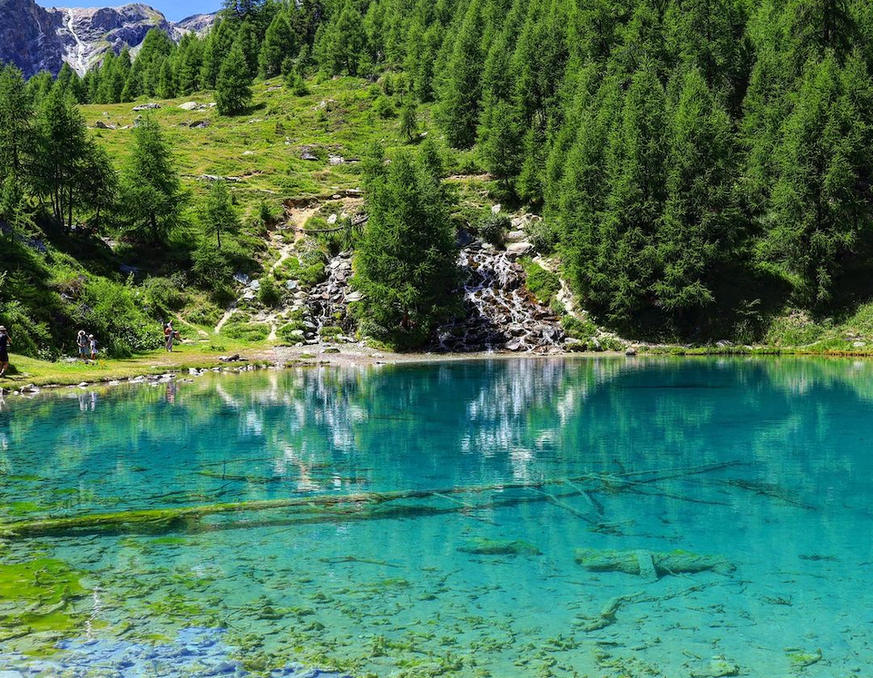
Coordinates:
[35,39]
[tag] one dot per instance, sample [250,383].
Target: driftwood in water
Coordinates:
[771,490]
[607,614]
[645,563]
[169,518]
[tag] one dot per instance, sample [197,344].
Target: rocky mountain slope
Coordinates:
[35,38]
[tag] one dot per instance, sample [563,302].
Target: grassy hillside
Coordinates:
[120,289]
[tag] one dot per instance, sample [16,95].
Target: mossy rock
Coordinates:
[640,562]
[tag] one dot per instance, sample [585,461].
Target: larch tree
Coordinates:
[406,263]
[233,91]
[152,196]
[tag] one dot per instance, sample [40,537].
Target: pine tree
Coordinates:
[247,39]
[219,215]
[339,44]
[98,186]
[218,44]
[406,262]
[820,204]
[409,121]
[701,217]
[233,93]
[62,151]
[279,44]
[627,262]
[189,63]
[500,143]
[458,108]
[152,197]
[16,112]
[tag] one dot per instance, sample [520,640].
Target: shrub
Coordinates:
[493,227]
[330,331]
[162,297]
[543,284]
[29,338]
[210,266]
[268,293]
[578,329]
[384,107]
[543,236]
[286,332]
[204,314]
[109,311]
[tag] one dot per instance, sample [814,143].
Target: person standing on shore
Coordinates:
[82,343]
[93,343]
[5,343]
[169,335]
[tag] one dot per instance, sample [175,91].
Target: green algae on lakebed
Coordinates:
[40,595]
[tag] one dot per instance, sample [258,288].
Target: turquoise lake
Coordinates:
[726,504]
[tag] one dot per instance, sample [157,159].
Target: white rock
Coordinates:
[518,249]
[189,106]
[332,219]
[495,209]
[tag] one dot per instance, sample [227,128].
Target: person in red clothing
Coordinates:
[5,343]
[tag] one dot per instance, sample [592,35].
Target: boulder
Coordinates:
[103,125]
[336,160]
[574,345]
[630,351]
[146,107]
[519,249]
[189,106]
[514,345]
[515,236]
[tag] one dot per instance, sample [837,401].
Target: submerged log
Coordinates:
[170,518]
[645,563]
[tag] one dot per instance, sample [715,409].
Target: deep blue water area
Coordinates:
[524,517]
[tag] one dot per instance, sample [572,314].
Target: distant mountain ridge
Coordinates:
[35,38]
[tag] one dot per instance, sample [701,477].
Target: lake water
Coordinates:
[756,472]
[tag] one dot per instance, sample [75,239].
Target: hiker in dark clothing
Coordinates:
[5,343]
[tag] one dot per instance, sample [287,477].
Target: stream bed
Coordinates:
[512,517]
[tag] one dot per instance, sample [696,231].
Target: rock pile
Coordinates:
[327,303]
[500,313]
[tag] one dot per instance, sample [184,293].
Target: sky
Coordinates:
[172,9]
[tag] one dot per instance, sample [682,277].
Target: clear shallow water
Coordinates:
[395,590]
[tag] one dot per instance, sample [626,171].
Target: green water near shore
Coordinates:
[467,584]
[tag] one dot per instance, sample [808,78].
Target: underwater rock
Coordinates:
[718,667]
[631,562]
[499,547]
[800,659]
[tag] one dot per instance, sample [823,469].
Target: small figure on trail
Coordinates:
[82,343]
[5,343]
[169,335]
[93,343]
